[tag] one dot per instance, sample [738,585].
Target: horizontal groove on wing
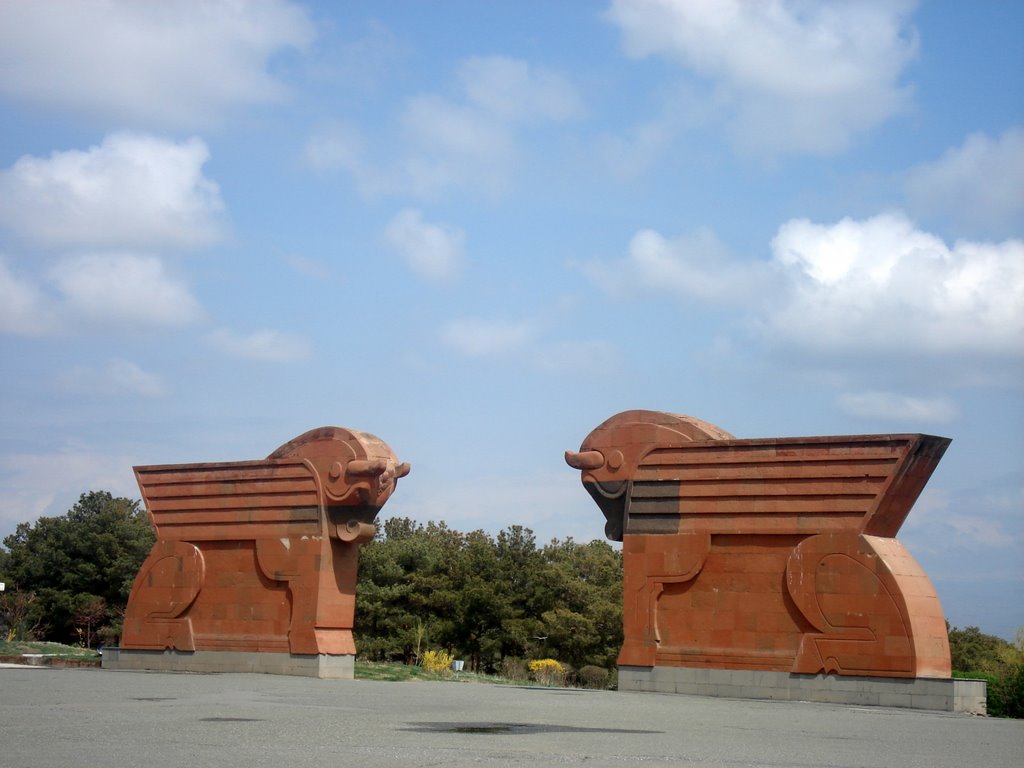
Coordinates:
[796,478]
[230,494]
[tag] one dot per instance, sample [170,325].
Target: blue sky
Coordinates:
[478,230]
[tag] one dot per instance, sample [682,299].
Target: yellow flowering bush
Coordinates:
[438,662]
[547,671]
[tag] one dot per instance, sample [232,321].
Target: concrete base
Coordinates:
[944,695]
[322,666]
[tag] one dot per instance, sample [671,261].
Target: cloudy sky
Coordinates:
[478,230]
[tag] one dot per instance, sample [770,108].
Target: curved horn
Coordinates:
[356,532]
[584,459]
[366,467]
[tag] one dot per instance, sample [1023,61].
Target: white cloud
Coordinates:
[514,91]
[311,268]
[96,291]
[264,346]
[339,146]
[694,266]
[455,145]
[793,77]
[123,290]
[630,155]
[132,191]
[563,356]
[36,484]
[334,145]
[895,407]
[882,284]
[979,185]
[433,251]
[362,63]
[527,343]
[872,286]
[482,338]
[470,139]
[980,530]
[23,309]
[945,521]
[116,378]
[169,64]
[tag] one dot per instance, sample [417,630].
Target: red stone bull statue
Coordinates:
[254,567]
[769,555]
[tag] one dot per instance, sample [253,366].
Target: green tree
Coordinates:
[92,552]
[971,650]
[484,602]
[405,597]
[19,619]
[1001,664]
[487,598]
[582,601]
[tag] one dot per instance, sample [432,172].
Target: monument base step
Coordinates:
[322,666]
[944,695]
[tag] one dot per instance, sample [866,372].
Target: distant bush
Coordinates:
[438,662]
[593,677]
[513,668]
[990,658]
[1006,693]
[568,674]
[547,671]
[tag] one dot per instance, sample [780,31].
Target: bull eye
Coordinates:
[615,460]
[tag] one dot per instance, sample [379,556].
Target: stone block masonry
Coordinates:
[938,694]
[747,557]
[254,567]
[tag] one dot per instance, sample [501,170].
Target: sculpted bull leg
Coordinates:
[336,601]
[165,588]
[296,561]
[321,576]
[649,563]
[874,610]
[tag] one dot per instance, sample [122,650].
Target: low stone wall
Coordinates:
[944,695]
[322,666]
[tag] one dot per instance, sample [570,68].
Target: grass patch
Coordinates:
[396,672]
[377,670]
[23,647]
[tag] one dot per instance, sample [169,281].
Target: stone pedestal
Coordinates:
[941,694]
[322,665]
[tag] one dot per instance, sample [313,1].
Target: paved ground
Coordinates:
[57,718]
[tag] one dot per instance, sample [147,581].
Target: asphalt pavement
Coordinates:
[56,718]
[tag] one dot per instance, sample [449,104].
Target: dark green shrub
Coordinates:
[593,677]
[1006,693]
[994,660]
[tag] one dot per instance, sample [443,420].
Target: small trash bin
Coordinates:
[457,665]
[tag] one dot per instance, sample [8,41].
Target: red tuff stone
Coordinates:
[766,554]
[260,555]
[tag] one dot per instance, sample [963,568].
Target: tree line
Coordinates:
[68,578]
[487,599]
[479,597]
